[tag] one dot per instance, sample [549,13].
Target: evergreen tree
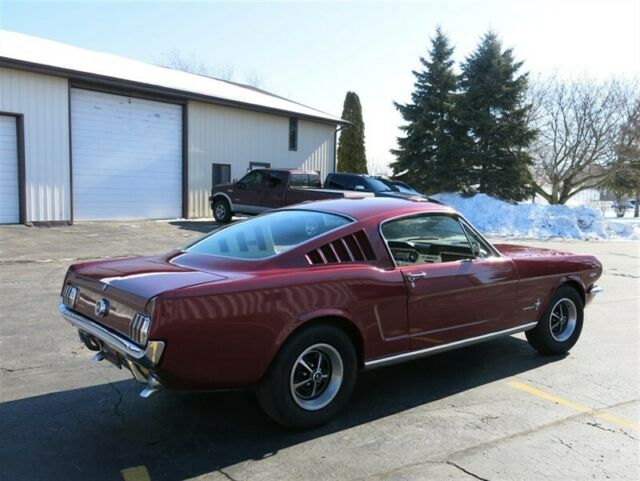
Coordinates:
[493,113]
[427,154]
[351,155]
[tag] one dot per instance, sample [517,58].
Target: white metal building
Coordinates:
[92,136]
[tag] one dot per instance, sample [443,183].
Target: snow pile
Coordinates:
[495,217]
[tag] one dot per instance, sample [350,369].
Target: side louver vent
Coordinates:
[350,248]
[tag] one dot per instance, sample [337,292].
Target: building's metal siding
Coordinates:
[237,137]
[44,102]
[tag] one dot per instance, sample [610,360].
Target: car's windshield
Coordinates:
[402,187]
[389,184]
[268,235]
[378,185]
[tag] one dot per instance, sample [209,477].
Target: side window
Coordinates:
[336,181]
[251,179]
[361,184]
[347,182]
[293,134]
[314,181]
[299,180]
[276,179]
[426,239]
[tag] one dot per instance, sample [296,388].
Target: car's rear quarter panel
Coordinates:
[226,334]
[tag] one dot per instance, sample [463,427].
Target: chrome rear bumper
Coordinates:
[148,356]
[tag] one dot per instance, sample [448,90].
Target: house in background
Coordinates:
[92,136]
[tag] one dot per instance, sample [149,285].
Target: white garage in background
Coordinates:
[106,137]
[126,157]
[9,190]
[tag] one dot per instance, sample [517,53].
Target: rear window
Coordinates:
[267,235]
[305,180]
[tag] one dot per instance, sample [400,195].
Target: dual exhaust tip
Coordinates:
[152,381]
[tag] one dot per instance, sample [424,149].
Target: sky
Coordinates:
[314,53]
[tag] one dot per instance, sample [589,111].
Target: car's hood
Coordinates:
[146,277]
[222,187]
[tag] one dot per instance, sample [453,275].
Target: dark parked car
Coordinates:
[298,300]
[400,186]
[380,187]
[266,189]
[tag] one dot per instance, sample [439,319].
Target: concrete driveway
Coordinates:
[492,411]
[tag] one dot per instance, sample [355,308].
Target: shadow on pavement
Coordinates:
[196,226]
[94,432]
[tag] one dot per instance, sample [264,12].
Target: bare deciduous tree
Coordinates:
[578,125]
[627,175]
[255,79]
[193,64]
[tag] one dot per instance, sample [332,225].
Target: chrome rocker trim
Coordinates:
[405,356]
[148,357]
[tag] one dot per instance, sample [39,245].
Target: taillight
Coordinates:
[140,327]
[70,296]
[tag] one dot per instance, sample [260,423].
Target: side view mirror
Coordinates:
[475,249]
[359,188]
[239,185]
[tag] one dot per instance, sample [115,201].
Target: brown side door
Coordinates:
[245,193]
[273,188]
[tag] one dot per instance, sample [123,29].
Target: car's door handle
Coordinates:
[413,276]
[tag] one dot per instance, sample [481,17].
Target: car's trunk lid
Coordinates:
[146,277]
[128,285]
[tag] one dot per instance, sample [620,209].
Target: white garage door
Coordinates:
[9,192]
[126,157]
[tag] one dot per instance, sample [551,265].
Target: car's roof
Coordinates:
[291,171]
[375,207]
[353,174]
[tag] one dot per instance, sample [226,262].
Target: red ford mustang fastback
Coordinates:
[298,300]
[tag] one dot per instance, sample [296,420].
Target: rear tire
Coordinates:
[560,325]
[311,379]
[222,211]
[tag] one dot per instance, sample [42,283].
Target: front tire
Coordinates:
[560,325]
[311,379]
[222,211]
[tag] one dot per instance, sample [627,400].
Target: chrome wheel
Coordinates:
[316,377]
[221,211]
[563,319]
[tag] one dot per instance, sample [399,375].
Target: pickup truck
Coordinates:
[265,189]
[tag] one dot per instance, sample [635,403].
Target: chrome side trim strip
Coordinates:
[405,356]
[150,355]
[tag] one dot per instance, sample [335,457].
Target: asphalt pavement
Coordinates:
[496,411]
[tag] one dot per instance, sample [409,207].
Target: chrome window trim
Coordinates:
[467,225]
[405,356]
[458,217]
